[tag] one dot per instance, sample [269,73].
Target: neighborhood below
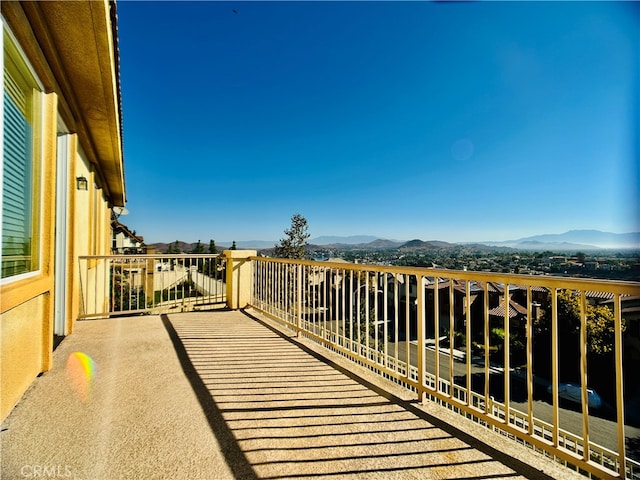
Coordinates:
[577,253]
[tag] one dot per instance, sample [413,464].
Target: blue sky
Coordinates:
[462,121]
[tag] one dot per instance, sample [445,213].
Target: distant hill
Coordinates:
[164,247]
[383,244]
[351,240]
[254,244]
[553,246]
[574,240]
[590,237]
[184,246]
[419,244]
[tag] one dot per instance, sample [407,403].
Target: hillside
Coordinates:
[573,240]
[419,244]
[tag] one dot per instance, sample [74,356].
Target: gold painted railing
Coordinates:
[128,284]
[540,359]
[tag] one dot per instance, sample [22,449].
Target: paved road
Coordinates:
[602,430]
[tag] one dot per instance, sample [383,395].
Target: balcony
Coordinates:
[331,370]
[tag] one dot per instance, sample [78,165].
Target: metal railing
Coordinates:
[128,284]
[536,358]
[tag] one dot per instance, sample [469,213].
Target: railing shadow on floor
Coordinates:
[235,457]
[282,410]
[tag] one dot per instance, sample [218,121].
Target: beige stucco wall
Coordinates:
[42,30]
[26,306]
[90,234]
[22,342]
[26,312]
[239,277]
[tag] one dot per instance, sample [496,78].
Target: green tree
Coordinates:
[600,322]
[175,248]
[600,340]
[294,244]
[212,247]
[199,248]
[233,246]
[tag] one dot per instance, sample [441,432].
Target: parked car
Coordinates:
[573,393]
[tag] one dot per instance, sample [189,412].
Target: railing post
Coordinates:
[298,299]
[420,357]
[617,314]
[239,277]
[149,283]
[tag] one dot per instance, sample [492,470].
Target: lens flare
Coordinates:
[462,149]
[81,370]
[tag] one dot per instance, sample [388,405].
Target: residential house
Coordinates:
[124,240]
[62,172]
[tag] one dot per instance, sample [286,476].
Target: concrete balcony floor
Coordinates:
[224,395]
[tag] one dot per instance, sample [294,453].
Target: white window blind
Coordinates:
[17,181]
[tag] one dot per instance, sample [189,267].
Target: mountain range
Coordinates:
[572,240]
[584,239]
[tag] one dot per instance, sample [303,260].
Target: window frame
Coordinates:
[17,63]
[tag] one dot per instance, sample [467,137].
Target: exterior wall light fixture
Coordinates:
[82,183]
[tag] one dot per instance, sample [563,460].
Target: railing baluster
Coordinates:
[420,358]
[367,310]
[325,303]
[343,300]
[583,375]
[357,313]
[95,288]
[335,304]
[104,273]
[278,293]
[132,282]
[298,299]
[351,318]
[529,353]
[487,410]
[315,297]
[375,316]
[396,321]
[436,330]
[617,315]
[467,290]
[407,334]
[507,351]
[270,283]
[554,365]
[261,285]
[385,318]
[256,291]
[451,336]
[112,287]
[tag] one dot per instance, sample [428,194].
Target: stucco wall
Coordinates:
[43,32]
[21,349]
[239,277]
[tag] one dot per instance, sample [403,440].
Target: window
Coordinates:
[20,191]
